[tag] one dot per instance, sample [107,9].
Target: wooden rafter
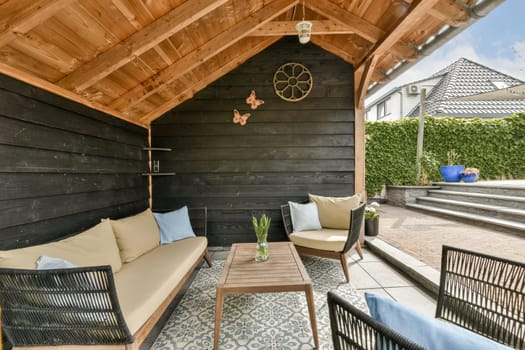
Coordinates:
[361,27]
[417,9]
[46,85]
[188,92]
[138,43]
[332,11]
[35,13]
[200,55]
[288,28]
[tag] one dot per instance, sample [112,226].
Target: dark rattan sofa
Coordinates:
[478,292]
[94,305]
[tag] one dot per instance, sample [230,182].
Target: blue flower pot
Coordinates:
[469,178]
[452,173]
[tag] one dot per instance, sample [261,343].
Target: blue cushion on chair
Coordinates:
[305,217]
[428,332]
[174,225]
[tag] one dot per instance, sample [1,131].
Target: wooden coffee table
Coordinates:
[283,272]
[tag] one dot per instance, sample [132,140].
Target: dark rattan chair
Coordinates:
[352,240]
[353,329]
[76,306]
[484,294]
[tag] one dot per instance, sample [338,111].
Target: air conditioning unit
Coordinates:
[413,89]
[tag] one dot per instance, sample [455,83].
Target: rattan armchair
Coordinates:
[483,294]
[352,240]
[352,329]
[76,306]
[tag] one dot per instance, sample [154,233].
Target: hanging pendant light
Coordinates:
[304,29]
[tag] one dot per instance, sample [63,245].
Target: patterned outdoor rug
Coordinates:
[256,321]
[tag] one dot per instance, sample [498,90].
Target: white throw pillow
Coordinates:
[304,216]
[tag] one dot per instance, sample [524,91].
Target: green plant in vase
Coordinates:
[261,231]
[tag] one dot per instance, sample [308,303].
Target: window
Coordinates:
[383,108]
[500,84]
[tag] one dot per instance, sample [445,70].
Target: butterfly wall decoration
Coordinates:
[240,118]
[253,101]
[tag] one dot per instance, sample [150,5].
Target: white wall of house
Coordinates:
[397,103]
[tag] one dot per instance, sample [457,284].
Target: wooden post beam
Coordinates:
[189,91]
[200,55]
[138,43]
[320,27]
[363,75]
[35,13]
[417,10]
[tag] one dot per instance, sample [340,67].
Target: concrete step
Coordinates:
[481,198]
[500,212]
[514,226]
[487,187]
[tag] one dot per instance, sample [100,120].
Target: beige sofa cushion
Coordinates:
[143,284]
[334,212]
[325,239]
[93,247]
[136,235]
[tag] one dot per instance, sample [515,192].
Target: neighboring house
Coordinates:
[461,78]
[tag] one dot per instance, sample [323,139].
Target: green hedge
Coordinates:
[495,146]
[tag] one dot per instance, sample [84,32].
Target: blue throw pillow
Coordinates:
[428,332]
[45,262]
[305,217]
[174,225]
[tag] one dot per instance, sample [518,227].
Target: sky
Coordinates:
[496,41]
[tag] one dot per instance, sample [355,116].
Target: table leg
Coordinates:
[219,302]
[311,310]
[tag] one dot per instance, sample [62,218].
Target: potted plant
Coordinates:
[470,175]
[372,219]
[261,231]
[452,172]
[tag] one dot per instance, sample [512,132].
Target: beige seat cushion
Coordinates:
[143,284]
[136,235]
[93,247]
[334,212]
[325,239]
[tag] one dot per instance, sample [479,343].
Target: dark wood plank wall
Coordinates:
[63,166]
[285,151]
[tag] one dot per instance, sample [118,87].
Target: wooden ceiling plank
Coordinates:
[319,27]
[32,15]
[46,85]
[336,50]
[214,75]
[417,10]
[138,43]
[200,55]
[361,27]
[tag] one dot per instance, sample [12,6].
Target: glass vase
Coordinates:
[262,251]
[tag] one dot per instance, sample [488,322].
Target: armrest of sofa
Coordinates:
[62,307]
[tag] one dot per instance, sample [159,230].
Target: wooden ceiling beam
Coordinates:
[46,85]
[343,17]
[31,16]
[125,51]
[201,54]
[191,90]
[336,50]
[321,27]
[417,10]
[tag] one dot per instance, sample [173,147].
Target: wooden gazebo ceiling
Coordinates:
[137,59]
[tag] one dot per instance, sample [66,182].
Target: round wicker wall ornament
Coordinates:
[292,82]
